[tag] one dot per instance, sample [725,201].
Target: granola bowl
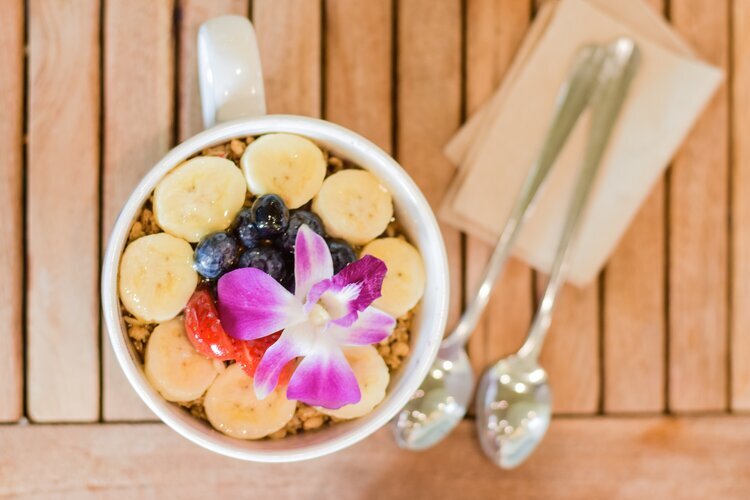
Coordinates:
[427,320]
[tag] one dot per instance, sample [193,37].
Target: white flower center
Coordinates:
[319,316]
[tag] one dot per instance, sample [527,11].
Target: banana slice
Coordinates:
[232,408]
[157,277]
[404,281]
[200,196]
[373,377]
[354,206]
[173,366]
[284,164]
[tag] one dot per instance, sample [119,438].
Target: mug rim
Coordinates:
[398,395]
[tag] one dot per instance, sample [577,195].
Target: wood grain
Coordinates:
[62,211]
[571,351]
[11,208]
[429,108]
[740,266]
[289,38]
[192,14]
[634,336]
[358,73]
[634,323]
[138,130]
[581,458]
[494,31]
[698,215]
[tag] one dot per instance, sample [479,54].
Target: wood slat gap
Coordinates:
[323,58]
[177,20]
[394,79]
[730,202]
[24,220]
[100,222]
[667,12]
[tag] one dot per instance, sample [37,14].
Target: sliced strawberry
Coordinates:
[249,352]
[204,327]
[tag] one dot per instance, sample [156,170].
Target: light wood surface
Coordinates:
[138,130]
[494,30]
[62,211]
[614,458]
[634,323]
[698,230]
[573,340]
[11,192]
[289,39]
[103,89]
[358,69]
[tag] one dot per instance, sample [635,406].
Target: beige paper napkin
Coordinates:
[496,146]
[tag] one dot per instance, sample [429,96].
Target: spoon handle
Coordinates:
[614,80]
[571,101]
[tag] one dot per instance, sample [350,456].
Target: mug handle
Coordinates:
[229,70]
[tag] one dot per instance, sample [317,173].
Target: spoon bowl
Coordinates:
[439,404]
[514,408]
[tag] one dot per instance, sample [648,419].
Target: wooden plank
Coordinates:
[494,31]
[138,130]
[358,67]
[62,217]
[698,215]
[740,270]
[11,206]
[571,352]
[634,322]
[655,457]
[289,38]
[429,107]
[634,333]
[192,14]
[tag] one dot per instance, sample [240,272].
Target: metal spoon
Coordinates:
[441,402]
[513,402]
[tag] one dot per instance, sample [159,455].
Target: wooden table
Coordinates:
[650,366]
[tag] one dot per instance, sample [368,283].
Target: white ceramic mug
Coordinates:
[232,88]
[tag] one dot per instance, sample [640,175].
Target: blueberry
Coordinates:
[289,237]
[341,253]
[267,259]
[270,215]
[288,281]
[215,255]
[245,230]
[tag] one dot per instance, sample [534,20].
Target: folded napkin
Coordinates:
[497,146]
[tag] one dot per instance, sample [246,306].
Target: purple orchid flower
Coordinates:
[325,313]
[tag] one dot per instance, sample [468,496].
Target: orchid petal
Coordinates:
[317,290]
[352,290]
[324,378]
[312,261]
[296,341]
[371,327]
[252,304]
